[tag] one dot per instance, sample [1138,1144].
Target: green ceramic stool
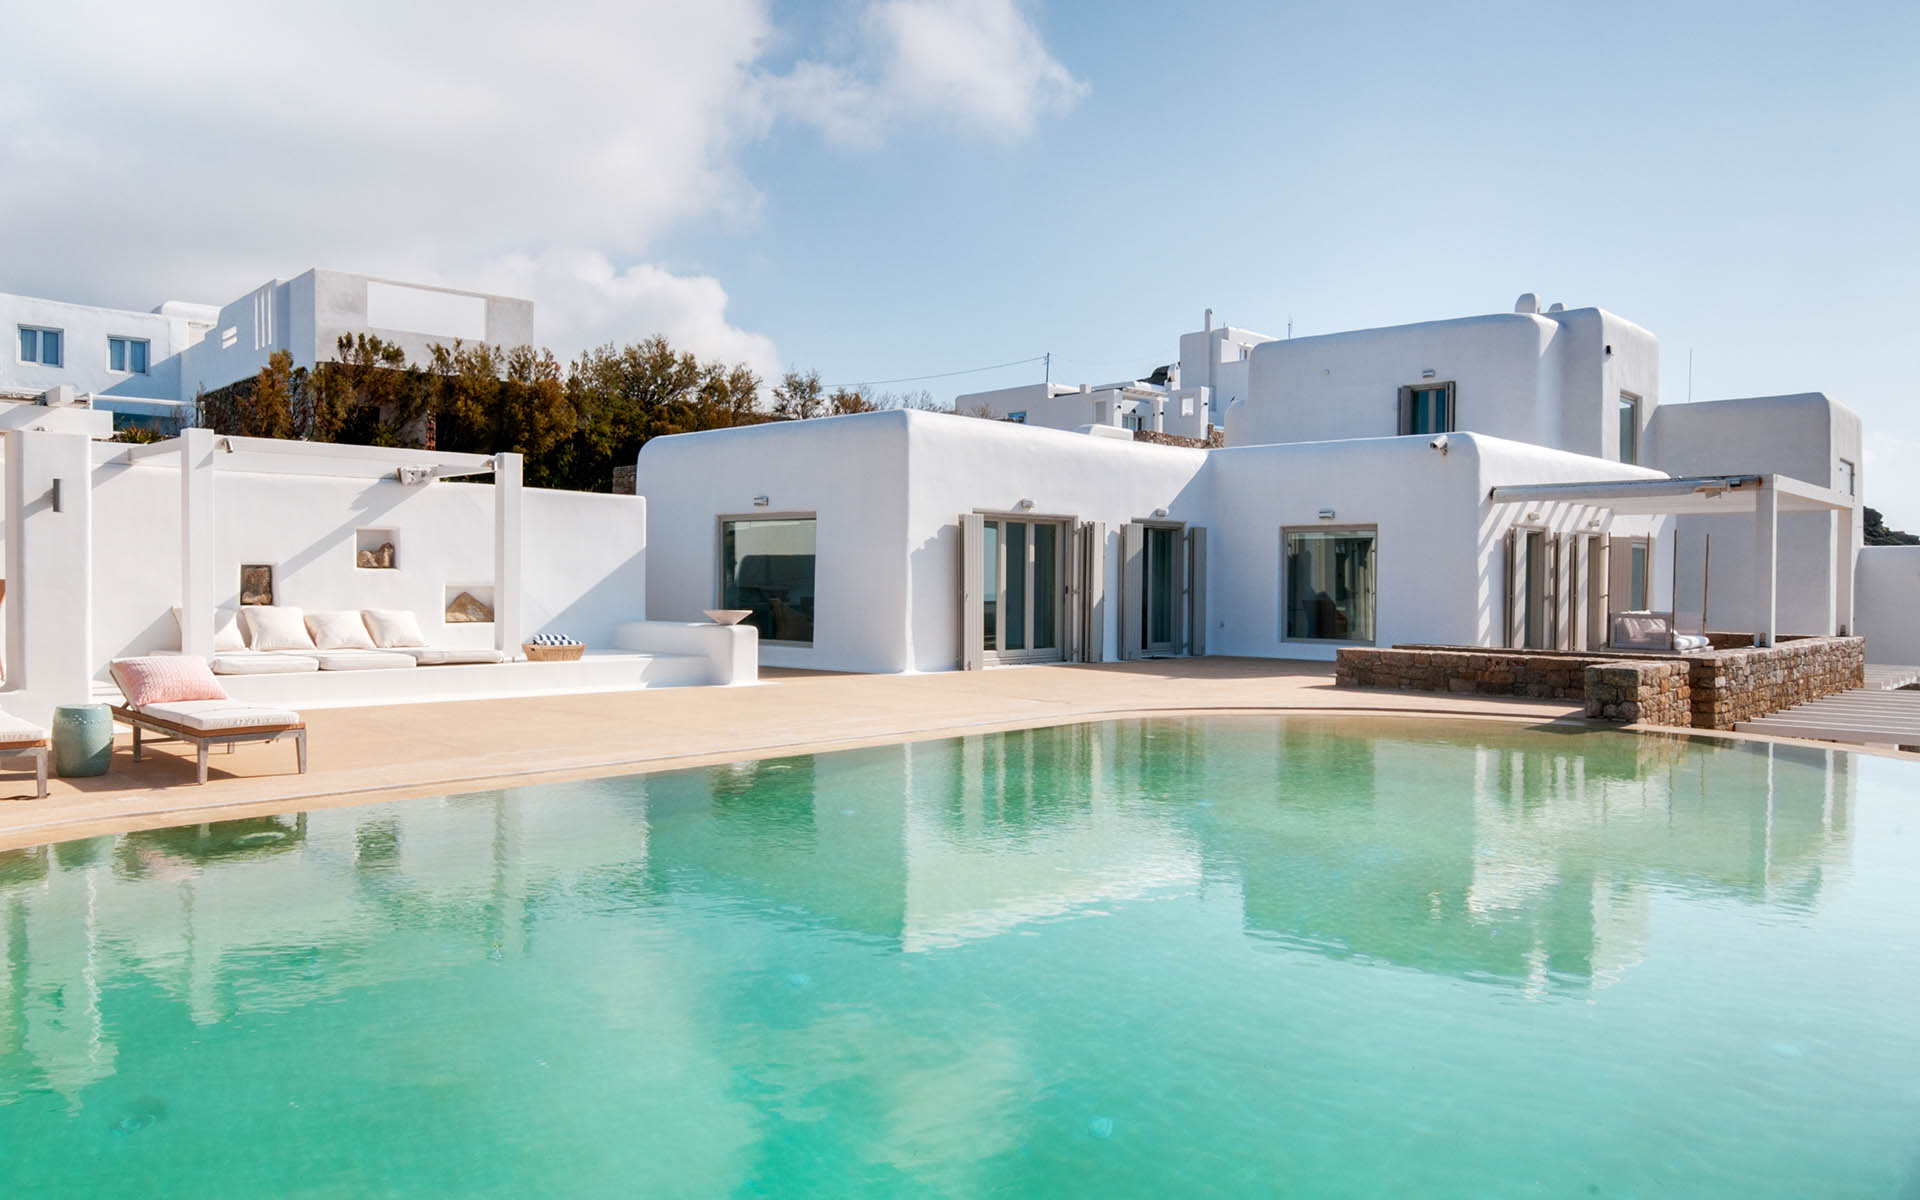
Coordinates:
[82,740]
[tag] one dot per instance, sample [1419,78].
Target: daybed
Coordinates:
[177,698]
[1652,632]
[23,739]
[282,640]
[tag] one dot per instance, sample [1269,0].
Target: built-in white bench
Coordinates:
[648,654]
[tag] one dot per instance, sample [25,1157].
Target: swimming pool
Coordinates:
[1223,955]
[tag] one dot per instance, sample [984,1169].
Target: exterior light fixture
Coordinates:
[760,501]
[1025,505]
[1159,514]
[1326,514]
[58,506]
[1427,374]
[1533,516]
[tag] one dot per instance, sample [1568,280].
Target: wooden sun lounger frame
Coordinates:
[202,739]
[37,751]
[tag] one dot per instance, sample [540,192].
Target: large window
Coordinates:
[1426,409]
[127,354]
[766,567]
[1629,427]
[1329,584]
[40,346]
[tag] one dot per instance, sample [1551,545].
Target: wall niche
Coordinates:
[469,605]
[376,549]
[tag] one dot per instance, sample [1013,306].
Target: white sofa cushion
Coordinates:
[226,630]
[339,631]
[17,732]
[253,662]
[447,656]
[360,660]
[394,628]
[220,716]
[276,627]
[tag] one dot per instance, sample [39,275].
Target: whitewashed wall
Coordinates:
[1887,606]
[584,565]
[84,331]
[1545,379]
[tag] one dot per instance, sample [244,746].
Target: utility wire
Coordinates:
[942,375]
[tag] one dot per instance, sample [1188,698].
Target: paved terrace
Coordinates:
[362,755]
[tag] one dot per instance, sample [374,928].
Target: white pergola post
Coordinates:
[506,552]
[196,542]
[1843,566]
[1766,562]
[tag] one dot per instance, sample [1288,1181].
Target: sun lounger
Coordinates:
[23,739]
[209,723]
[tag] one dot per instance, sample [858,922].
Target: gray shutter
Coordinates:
[1406,412]
[973,582]
[1072,582]
[1515,630]
[1133,540]
[1197,591]
[1094,592]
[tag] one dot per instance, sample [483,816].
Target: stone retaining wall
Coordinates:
[1711,689]
[1656,693]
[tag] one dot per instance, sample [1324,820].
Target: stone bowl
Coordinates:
[727,616]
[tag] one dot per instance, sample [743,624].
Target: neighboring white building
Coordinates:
[146,368]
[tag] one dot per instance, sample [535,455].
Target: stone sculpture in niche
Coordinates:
[256,584]
[467,608]
[381,559]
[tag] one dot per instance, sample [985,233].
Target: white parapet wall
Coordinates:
[731,652]
[1887,604]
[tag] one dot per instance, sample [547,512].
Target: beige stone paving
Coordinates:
[360,755]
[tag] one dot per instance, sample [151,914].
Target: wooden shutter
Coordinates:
[1093,591]
[973,582]
[1133,540]
[1197,591]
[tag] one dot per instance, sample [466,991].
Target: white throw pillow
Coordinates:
[339,630]
[276,627]
[227,637]
[394,627]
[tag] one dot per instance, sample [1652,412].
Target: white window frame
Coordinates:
[720,566]
[1850,473]
[1628,400]
[127,344]
[40,344]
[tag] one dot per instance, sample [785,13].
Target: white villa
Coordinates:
[1504,480]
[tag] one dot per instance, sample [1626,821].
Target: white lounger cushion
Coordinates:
[16,732]
[220,716]
[444,656]
[358,660]
[253,662]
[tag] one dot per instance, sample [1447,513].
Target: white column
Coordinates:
[196,542]
[49,572]
[1766,562]
[506,552]
[1844,529]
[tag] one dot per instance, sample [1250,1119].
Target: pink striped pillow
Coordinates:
[165,678]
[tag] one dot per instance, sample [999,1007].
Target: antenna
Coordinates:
[1689,374]
[1048,378]
[1289,326]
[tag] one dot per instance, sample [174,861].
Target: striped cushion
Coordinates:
[162,679]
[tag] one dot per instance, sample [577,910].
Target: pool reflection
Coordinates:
[1519,859]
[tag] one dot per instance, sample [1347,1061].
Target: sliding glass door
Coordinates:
[1022,589]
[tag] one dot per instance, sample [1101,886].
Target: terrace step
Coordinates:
[1868,716]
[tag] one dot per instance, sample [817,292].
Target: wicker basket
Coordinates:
[552,653]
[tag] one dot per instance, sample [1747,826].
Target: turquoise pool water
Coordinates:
[1221,956]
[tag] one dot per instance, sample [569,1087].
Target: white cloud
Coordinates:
[204,148]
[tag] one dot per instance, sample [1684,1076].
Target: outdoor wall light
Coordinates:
[57,505]
[1326,514]
[1532,517]
[1159,514]
[761,502]
[1025,505]
[1427,373]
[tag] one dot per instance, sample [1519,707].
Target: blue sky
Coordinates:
[887,188]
